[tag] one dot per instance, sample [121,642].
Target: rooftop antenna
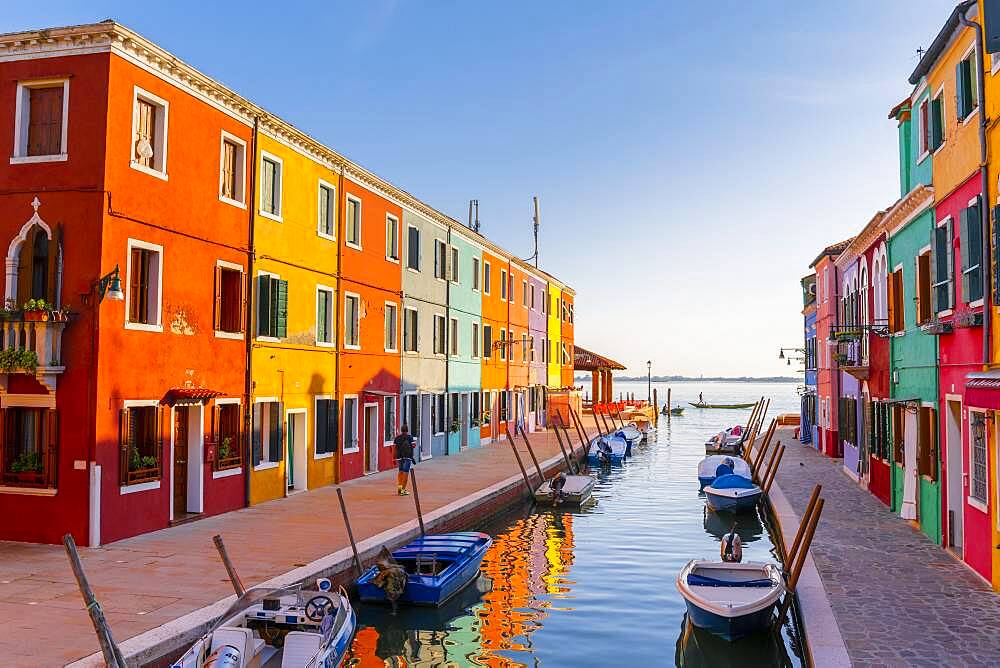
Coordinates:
[474,222]
[537,219]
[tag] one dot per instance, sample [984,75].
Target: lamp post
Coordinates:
[649,380]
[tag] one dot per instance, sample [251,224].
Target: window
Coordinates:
[532,348]
[475,340]
[454,415]
[545,350]
[486,278]
[453,336]
[272,306]
[352,222]
[944,267]
[350,424]
[352,323]
[410,330]
[413,248]
[229,286]
[226,430]
[532,297]
[897,321]
[927,443]
[935,120]
[966,93]
[141,444]
[503,406]
[475,273]
[232,168]
[326,224]
[267,426]
[324,315]
[391,324]
[978,471]
[971,251]
[487,341]
[270,186]
[879,427]
[391,238]
[439,335]
[570,309]
[923,128]
[453,269]
[524,347]
[30,438]
[326,425]
[149,133]
[41,115]
[145,285]
[544,294]
[503,284]
[411,414]
[440,259]
[510,287]
[475,399]
[524,293]
[565,354]
[503,344]
[389,415]
[438,418]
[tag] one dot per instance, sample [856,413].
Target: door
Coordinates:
[290,454]
[908,509]
[953,462]
[180,461]
[425,426]
[371,438]
[464,428]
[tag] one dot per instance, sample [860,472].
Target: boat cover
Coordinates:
[732,481]
[706,581]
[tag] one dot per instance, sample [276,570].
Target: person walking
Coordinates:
[404,454]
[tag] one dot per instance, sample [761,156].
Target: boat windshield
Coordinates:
[253,597]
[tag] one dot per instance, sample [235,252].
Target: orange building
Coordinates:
[566,335]
[518,305]
[496,284]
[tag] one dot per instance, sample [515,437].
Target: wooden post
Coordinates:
[520,464]
[774,469]
[670,405]
[620,419]
[764,443]
[350,533]
[758,460]
[569,445]
[555,428]
[112,655]
[531,452]
[800,558]
[810,507]
[656,410]
[234,577]
[581,431]
[416,500]
[604,422]
[770,462]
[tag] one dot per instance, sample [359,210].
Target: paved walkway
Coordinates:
[899,599]
[146,581]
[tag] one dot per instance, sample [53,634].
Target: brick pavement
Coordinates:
[899,599]
[146,581]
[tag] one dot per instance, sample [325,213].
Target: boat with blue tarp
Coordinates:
[437,567]
[632,437]
[730,600]
[732,492]
[713,466]
[607,450]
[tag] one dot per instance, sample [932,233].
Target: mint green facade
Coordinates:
[465,308]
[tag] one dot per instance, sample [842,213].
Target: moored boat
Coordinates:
[570,489]
[292,628]
[728,599]
[437,567]
[708,468]
[632,437]
[728,441]
[732,492]
[606,450]
[699,404]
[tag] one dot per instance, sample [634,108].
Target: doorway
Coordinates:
[371,438]
[425,426]
[180,461]
[188,458]
[908,509]
[953,462]
[464,429]
[296,474]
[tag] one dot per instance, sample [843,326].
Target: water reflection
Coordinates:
[697,648]
[748,524]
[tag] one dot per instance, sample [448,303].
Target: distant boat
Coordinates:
[698,404]
[673,410]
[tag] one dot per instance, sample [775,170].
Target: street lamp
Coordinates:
[110,286]
[649,380]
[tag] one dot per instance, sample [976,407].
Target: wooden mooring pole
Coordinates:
[791,553]
[762,476]
[234,577]
[656,410]
[800,558]
[416,500]
[531,452]
[520,464]
[350,533]
[109,648]
[780,450]
[670,405]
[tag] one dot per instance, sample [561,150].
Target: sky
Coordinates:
[690,164]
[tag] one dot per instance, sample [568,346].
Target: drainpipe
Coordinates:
[984,175]
[338,305]
[248,318]
[447,339]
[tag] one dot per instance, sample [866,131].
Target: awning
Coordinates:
[188,396]
[982,390]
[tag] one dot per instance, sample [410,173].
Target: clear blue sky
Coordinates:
[691,159]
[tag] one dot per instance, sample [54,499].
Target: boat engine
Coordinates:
[732,547]
[226,656]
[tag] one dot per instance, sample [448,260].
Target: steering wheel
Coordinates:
[318,606]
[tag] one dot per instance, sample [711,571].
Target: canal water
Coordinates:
[595,587]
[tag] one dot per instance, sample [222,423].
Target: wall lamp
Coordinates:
[110,286]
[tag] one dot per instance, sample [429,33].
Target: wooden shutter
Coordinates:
[45,119]
[51,458]
[217,310]
[256,442]
[994,260]
[215,426]
[228,169]
[162,414]
[923,288]
[244,303]
[264,305]
[949,246]
[963,248]
[961,93]
[932,448]
[145,130]
[281,322]
[936,123]
[322,409]
[973,242]
[897,433]
[278,420]
[890,291]
[332,426]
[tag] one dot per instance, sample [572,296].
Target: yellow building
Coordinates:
[294,343]
[553,354]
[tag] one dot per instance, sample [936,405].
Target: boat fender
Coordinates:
[732,547]
[226,656]
[323,584]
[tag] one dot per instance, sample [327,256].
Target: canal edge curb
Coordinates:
[165,640]
[824,641]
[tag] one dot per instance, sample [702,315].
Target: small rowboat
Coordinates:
[727,441]
[437,568]
[732,492]
[576,491]
[615,450]
[698,404]
[708,466]
[730,600]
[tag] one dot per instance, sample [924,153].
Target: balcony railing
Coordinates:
[851,345]
[33,347]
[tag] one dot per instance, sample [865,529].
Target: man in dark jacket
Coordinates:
[404,454]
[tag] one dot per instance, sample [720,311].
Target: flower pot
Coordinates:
[36,316]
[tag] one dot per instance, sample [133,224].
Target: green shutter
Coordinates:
[281,311]
[960,92]
[255,435]
[263,306]
[993,254]
[321,415]
[322,317]
[974,242]
[936,123]
[963,248]
[949,236]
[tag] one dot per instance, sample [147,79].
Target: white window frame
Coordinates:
[385,412]
[438,245]
[257,334]
[454,259]
[389,218]
[971,501]
[357,200]
[476,268]
[453,337]
[395,307]
[332,210]
[22,114]
[152,484]
[416,331]
[234,267]
[265,444]
[241,169]
[415,270]
[279,175]
[316,399]
[444,337]
[524,292]
[486,277]
[504,285]
[352,346]
[139,326]
[343,430]
[162,130]
[331,316]
[476,342]
[225,473]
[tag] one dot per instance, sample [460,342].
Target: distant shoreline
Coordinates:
[709,379]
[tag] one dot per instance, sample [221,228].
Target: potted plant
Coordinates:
[9,310]
[18,359]
[37,310]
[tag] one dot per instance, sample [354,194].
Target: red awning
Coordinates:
[983,393]
[188,395]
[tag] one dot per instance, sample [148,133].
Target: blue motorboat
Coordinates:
[730,600]
[632,437]
[732,492]
[607,450]
[437,567]
[709,468]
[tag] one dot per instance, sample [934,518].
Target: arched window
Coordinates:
[40,266]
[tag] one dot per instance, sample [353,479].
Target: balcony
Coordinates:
[850,345]
[31,346]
